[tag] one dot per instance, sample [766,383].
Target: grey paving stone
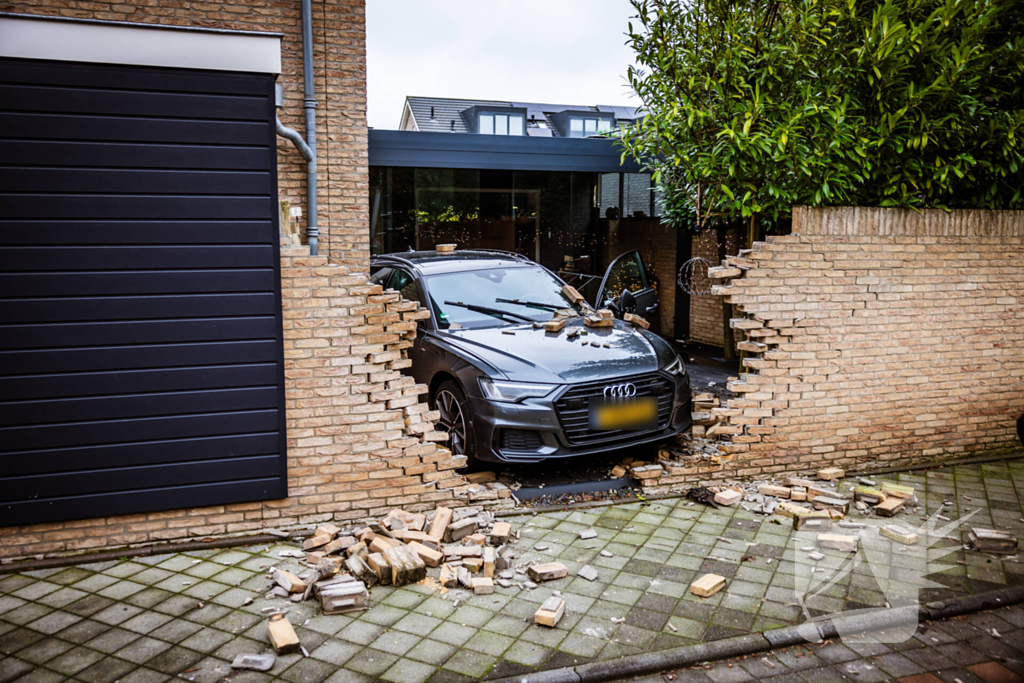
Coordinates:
[898,665]
[9,602]
[74,660]
[395,642]
[207,614]
[493,644]
[95,583]
[68,576]
[371,662]
[206,640]
[60,598]
[384,615]
[236,622]
[728,672]
[174,660]
[346,676]
[335,651]
[176,605]
[417,623]
[106,670]
[408,671]
[146,622]
[38,676]
[143,675]
[117,613]
[241,645]
[18,638]
[143,650]
[361,632]
[12,668]
[432,652]
[308,670]
[27,613]
[13,582]
[470,663]
[89,605]
[54,622]
[112,640]
[35,590]
[175,630]
[44,650]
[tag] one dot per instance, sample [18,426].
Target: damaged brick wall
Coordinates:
[877,338]
[359,440]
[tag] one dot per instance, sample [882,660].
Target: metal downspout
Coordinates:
[296,139]
[307,147]
[309,103]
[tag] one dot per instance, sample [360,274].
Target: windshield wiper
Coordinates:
[553,307]
[488,310]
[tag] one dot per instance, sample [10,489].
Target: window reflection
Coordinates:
[501,124]
[574,224]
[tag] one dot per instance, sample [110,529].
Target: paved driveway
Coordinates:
[185,614]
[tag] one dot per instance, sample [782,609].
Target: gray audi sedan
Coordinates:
[509,391]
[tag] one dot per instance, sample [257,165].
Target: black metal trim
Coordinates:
[416,149]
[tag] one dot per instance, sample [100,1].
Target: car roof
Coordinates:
[434,262]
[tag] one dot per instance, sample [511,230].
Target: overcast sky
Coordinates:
[557,51]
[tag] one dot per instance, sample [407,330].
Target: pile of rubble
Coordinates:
[817,506]
[484,489]
[397,550]
[467,547]
[677,464]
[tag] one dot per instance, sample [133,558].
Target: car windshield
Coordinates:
[495,288]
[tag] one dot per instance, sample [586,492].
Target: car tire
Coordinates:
[456,418]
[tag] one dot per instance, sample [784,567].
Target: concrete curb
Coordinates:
[143,551]
[860,621]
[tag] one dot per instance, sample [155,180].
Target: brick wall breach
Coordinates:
[878,338]
[707,322]
[359,440]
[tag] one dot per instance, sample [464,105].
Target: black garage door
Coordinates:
[140,305]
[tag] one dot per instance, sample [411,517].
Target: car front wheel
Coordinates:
[456,419]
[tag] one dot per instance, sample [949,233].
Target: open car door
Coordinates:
[627,273]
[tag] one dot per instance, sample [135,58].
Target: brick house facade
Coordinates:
[339,56]
[359,441]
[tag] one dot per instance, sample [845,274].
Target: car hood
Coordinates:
[532,355]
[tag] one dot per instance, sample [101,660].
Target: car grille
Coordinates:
[574,408]
[520,440]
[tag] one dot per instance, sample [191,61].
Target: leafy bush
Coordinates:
[754,107]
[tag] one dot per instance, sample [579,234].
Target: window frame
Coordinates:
[585,121]
[492,128]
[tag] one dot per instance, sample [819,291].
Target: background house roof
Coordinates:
[447,110]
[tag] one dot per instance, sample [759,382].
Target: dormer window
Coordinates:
[582,127]
[502,124]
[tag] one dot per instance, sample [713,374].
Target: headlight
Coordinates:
[676,367]
[512,392]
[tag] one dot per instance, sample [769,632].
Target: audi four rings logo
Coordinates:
[620,390]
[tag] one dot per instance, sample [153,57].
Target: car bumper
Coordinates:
[531,431]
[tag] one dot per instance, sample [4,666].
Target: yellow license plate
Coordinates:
[632,413]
